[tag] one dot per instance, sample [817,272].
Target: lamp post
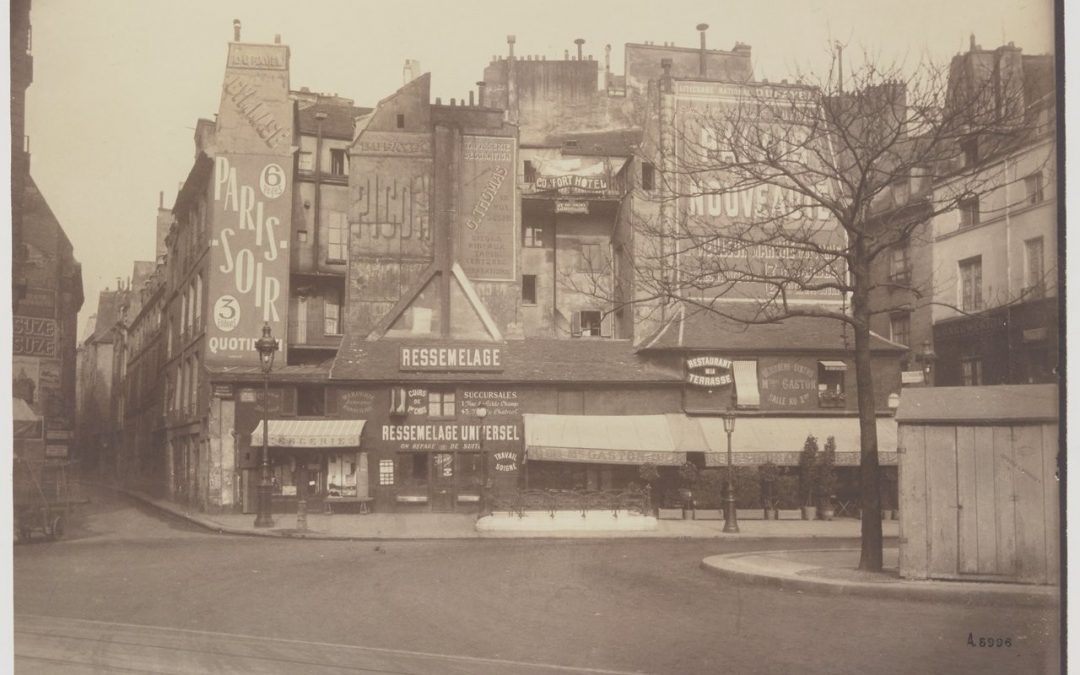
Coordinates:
[267,346]
[731,521]
[926,357]
[481,414]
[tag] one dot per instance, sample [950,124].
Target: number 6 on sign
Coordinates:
[272,181]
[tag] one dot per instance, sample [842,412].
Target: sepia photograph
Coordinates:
[491,338]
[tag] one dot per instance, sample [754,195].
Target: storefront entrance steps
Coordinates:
[464,526]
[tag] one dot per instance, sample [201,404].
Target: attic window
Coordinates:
[400,120]
[570,143]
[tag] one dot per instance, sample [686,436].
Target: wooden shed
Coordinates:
[979,493]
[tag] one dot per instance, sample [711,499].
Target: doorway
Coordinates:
[442,482]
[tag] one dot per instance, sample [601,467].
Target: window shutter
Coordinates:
[575,324]
[607,324]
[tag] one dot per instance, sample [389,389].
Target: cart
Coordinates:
[43,497]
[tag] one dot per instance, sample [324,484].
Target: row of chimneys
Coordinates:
[236,32]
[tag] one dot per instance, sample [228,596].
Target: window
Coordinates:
[198,301]
[339,162]
[528,289]
[1034,187]
[194,394]
[183,313]
[970,148]
[414,466]
[592,258]
[310,402]
[530,172]
[900,328]
[1034,281]
[332,312]
[587,323]
[831,384]
[533,236]
[336,237]
[179,391]
[386,472]
[441,404]
[900,262]
[969,211]
[648,176]
[971,284]
[971,371]
[400,121]
[306,161]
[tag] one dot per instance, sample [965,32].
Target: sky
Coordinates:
[119,84]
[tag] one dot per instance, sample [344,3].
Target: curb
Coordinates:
[961,592]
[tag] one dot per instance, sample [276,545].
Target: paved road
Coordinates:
[130,592]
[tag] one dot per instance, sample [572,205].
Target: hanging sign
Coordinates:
[708,371]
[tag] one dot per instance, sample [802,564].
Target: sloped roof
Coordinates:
[107,314]
[338,123]
[616,142]
[707,330]
[529,360]
[302,373]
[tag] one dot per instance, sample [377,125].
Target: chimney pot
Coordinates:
[702,27]
[972,42]
[566,54]
[277,38]
[438,100]
[472,102]
[579,42]
[161,199]
[236,30]
[453,101]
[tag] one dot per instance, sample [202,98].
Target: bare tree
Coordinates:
[777,201]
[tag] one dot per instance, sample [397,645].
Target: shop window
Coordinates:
[900,328]
[971,284]
[310,402]
[339,162]
[441,404]
[971,372]
[528,289]
[969,211]
[470,471]
[1033,185]
[414,468]
[532,236]
[337,237]
[588,323]
[283,477]
[1034,282]
[648,176]
[386,472]
[332,312]
[831,392]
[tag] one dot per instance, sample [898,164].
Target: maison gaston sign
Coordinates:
[451,358]
[708,371]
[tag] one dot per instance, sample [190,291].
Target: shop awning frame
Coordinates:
[601,439]
[833,365]
[757,440]
[307,433]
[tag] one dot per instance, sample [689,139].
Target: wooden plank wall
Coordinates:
[979,502]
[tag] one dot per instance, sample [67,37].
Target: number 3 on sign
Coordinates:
[272,181]
[226,313]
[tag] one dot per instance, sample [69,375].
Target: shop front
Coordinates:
[317,460]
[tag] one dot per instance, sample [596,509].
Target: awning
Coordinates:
[757,440]
[294,433]
[833,365]
[601,439]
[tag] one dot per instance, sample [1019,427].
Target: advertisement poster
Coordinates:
[487,233]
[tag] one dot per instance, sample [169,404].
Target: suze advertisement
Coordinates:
[249,260]
[772,232]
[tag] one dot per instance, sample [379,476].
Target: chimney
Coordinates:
[161,199]
[471,102]
[665,79]
[277,38]
[510,40]
[236,30]
[607,58]
[579,42]
[702,27]
[481,86]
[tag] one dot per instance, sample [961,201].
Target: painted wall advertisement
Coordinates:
[787,383]
[487,233]
[249,261]
[763,223]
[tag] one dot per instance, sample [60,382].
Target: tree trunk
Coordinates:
[870,558]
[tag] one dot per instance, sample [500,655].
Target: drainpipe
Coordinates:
[319,117]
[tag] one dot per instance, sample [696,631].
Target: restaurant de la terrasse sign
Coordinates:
[464,358]
[708,371]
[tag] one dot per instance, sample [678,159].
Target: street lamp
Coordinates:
[926,357]
[267,346]
[481,414]
[731,520]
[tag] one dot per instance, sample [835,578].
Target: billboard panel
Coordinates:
[738,233]
[487,234]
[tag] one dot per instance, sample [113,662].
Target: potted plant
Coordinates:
[827,480]
[768,473]
[648,473]
[809,478]
[688,472]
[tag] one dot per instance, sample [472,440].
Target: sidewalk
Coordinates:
[834,572]
[463,526]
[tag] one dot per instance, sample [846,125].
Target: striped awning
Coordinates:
[294,433]
[601,439]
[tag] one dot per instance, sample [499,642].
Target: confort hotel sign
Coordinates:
[451,358]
